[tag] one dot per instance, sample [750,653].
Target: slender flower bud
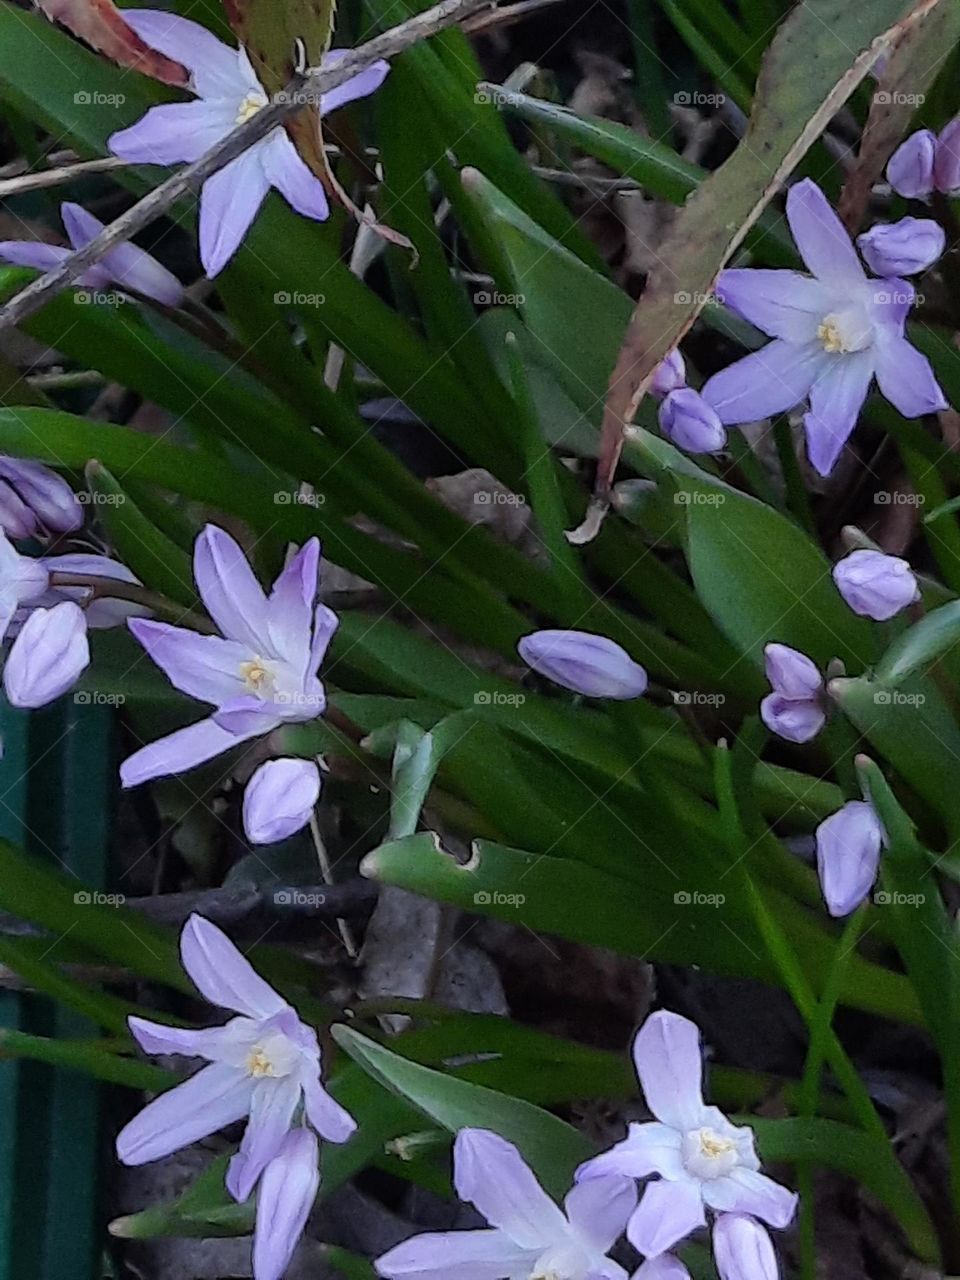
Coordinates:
[288,1189]
[946,166]
[689,422]
[848,855]
[47,495]
[795,708]
[742,1249]
[791,673]
[586,663]
[902,248]
[910,168]
[279,799]
[669,375]
[875,585]
[47,656]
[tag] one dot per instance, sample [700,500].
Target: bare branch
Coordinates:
[57,177]
[301,91]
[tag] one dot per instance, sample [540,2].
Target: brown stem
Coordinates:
[113,588]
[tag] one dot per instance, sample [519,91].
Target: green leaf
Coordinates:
[204,1209]
[920,645]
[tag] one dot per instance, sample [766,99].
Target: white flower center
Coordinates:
[275,1055]
[249,107]
[258,676]
[708,1154]
[844,331]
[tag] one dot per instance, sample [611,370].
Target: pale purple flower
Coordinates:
[874,584]
[22,579]
[528,1235]
[32,497]
[102,612]
[795,709]
[49,653]
[259,673]
[833,333]
[584,663]
[664,1267]
[125,264]
[263,1064]
[910,169]
[902,248]
[742,1249]
[690,422]
[227,93]
[279,799]
[848,855]
[703,1161]
[669,375]
[288,1188]
[946,165]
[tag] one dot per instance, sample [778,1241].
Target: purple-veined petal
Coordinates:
[491,1174]
[177,752]
[271,1114]
[669,1063]
[49,653]
[361,85]
[325,623]
[902,248]
[133,267]
[765,382]
[105,611]
[848,855]
[227,585]
[211,63]
[790,672]
[664,1267]
[946,164]
[284,169]
[667,1213]
[279,799]
[910,170]
[229,202]
[224,976]
[248,716]
[213,1098]
[21,577]
[821,237]
[174,133]
[795,719]
[784,304]
[648,1148]
[291,606]
[752,1192]
[906,379]
[48,495]
[875,585]
[591,665]
[204,667]
[216,1044]
[669,375]
[598,1209]
[836,399]
[287,1191]
[742,1249]
[32,253]
[331,1121]
[689,422]
[468,1255]
[17,519]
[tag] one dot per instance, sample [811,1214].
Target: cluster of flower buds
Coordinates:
[926,163]
[685,417]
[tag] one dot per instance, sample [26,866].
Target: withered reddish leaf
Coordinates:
[100,24]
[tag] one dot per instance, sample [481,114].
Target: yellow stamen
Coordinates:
[249,107]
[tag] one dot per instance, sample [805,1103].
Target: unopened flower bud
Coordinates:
[946,165]
[47,656]
[875,585]
[902,248]
[848,855]
[585,663]
[791,673]
[279,799]
[742,1249]
[910,168]
[795,709]
[669,375]
[690,423]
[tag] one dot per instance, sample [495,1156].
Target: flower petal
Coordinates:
[361,85]
[49,653]
[271,1114]
[906,379]
[227,585]
[468,1255]
[848,855]
[177,752]
[784,304]
[212,63]
[325,623]
[664,1267]
[216,1044]
[768,381]
[173,133]
[669,1063]
[647,1148]
[248,716]
[795,719]
[667,1213]
[229,202]
[790,672]
[222,975]
[325,1113]
[598,1209]
[213,1098]
[290,607]
[301,189]
[279,799]
[836,399]
[490,1173]
[47,494]
[742,1249]
[204,667]
[821,237]
[287,1191]
[747,1191]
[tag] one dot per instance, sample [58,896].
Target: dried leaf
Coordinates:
[100,23]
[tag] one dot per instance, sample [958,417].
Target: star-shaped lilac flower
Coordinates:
[703,1161]
[227,94]
[833,333]
[529,1235]
[260,672]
